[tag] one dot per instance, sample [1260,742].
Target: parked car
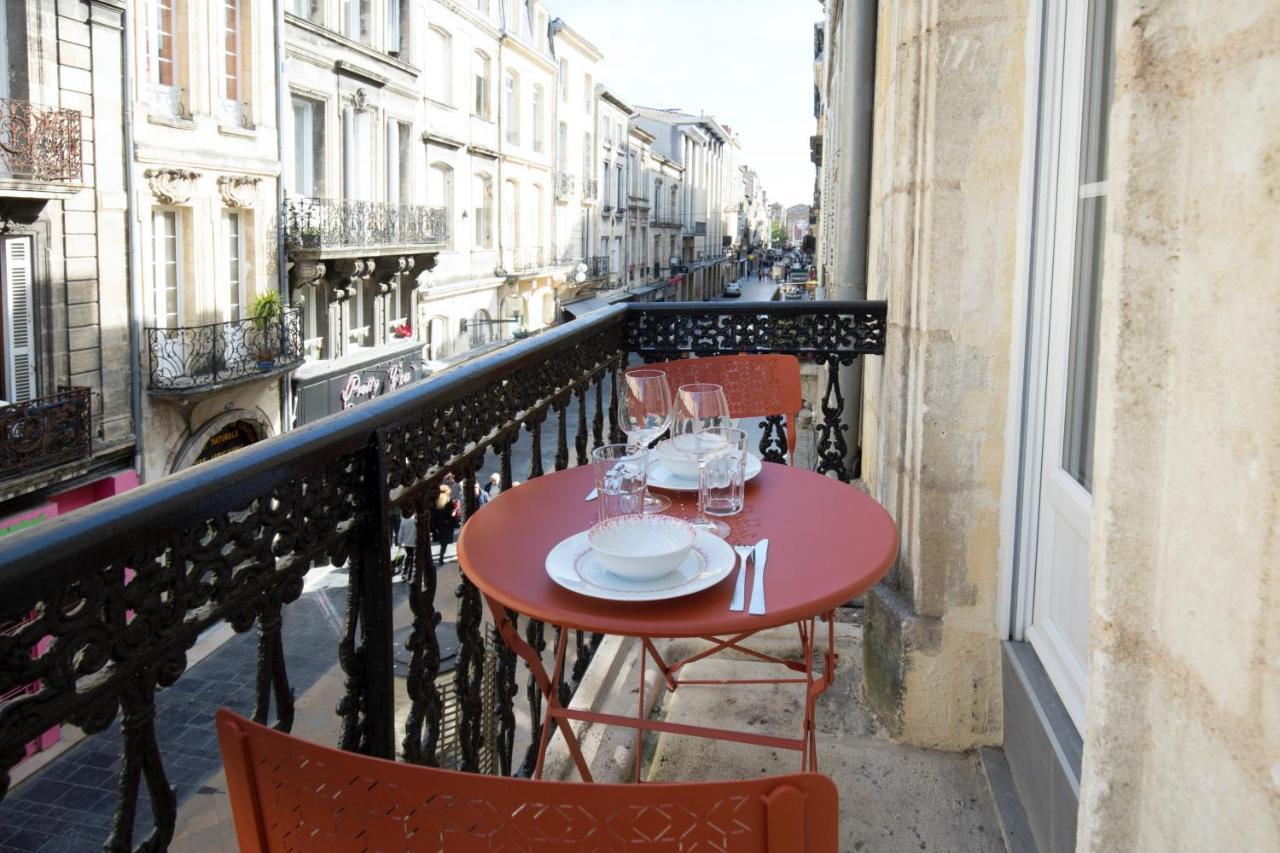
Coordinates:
[793,294]
[732,290]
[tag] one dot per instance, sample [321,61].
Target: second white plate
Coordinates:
[573,565]
[661,478]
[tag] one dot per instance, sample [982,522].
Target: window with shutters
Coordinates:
[163,84]
[480,72]
[308,147]
[234,87]
[16,275]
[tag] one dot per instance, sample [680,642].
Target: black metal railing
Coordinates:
[109,600]
[39,434]
[193,358]
[597,267]
[39,143]
[326,223]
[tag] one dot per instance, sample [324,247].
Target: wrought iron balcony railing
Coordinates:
[39,143]
[197,358]
[597,267]
[109,600]
[39,434]
[591,188]
[526,258]
[565,184]
[326,223]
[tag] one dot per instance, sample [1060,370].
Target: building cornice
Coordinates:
[558,27]
[443,141]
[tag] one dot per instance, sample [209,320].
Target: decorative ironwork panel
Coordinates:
[45,432]
[326,223]
[190,358]
[39,143]
[565,183]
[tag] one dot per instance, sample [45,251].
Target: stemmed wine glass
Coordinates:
[646,414]
[701,407]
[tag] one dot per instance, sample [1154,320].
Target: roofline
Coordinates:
[608,95]
[577,37]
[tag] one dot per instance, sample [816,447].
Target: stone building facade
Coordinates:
[67,397]
[1076,423]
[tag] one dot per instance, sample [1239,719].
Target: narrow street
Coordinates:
[753,290]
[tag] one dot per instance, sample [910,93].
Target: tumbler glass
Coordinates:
[622,476]
[722,480]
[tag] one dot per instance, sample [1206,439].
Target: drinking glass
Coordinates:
[646,414]
[722,482]
[701,407]
[622,473]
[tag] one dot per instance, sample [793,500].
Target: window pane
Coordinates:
[231,226]
[1082,365]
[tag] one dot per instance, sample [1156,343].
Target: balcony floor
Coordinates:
[892,797]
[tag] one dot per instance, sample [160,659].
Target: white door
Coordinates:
[1063,347]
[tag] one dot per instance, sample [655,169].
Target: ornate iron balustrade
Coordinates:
[326,223]
[195,358]
[39,434]
[597,267]
[121,590]
[565,183]
[591,188]
[39,143]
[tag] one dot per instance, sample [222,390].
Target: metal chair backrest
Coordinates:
[290,794]
[755,385]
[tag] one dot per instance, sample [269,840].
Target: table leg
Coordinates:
[547,684]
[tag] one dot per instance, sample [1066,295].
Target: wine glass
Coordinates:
[646,414]
[701,407]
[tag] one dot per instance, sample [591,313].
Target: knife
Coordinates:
[757,581]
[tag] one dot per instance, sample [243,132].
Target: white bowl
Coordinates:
[676,461]
[642,547]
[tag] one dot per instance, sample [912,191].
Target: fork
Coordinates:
[740,585]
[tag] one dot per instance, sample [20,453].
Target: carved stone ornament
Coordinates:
[238,190]
[360,101]
[172,186]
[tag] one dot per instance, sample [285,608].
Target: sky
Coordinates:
[747,62]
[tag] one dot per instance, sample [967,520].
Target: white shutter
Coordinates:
[19,330]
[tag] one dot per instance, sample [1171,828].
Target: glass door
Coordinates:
[1063,344]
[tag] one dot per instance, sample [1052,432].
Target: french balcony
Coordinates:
[190,360]
[337,228]
[591,189]
[44,433]
[40,153]
[284,549]
[565,185]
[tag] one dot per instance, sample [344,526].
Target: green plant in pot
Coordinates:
[267,311]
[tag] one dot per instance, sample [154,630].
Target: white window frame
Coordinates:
[442,52]
[160,318]
[21,380]
[511,103]
[233,279]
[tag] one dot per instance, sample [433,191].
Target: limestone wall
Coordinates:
[1182,743]
[943,242]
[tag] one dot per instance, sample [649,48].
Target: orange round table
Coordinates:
[828,543]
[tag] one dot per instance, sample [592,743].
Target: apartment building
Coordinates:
[577,186]
[67,397]
[613,117]
[358,232]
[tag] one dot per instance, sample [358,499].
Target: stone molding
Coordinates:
[172,186]
[238,190]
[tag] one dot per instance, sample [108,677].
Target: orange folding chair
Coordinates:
[755,385]
[290,794]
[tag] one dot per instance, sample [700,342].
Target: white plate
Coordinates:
[661,478]
[573,565]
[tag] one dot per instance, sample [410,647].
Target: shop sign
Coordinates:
[233,436]
[320,396]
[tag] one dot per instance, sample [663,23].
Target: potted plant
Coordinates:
[267,311]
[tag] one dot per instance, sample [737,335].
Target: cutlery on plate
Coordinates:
[592,495]
[740,585]
[759,558]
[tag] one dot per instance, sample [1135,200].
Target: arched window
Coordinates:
[440,189]
[539,121]
[480,71]
[482,204]
[439,338]
[511,107]
[440,77]
[479,328]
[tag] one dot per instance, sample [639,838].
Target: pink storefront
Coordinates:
[60,503]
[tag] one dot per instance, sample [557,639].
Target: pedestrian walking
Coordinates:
[494,487]
[444,519]
[455,488]
[482,497]
[407,538]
